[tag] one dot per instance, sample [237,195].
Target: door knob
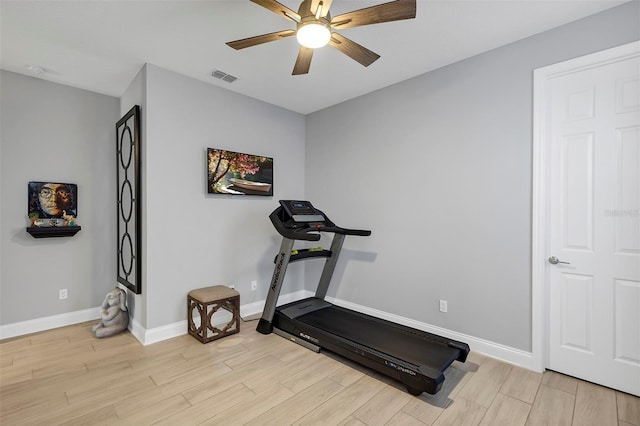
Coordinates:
[554,261]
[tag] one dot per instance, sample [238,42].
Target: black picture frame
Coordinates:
[128,208]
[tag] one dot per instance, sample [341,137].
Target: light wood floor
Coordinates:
[67,376]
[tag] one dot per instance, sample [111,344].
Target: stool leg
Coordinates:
[236,312]
[216,332]
[197,332]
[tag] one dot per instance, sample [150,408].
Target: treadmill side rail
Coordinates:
[463,347]
[297,340]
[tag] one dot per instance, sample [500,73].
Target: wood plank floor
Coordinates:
[67,376]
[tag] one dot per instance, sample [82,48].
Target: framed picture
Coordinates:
[128,209]
[236,173]
[48,200]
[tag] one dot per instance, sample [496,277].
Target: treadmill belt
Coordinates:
[414,347]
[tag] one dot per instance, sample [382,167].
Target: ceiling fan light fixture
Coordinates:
[313,34]
[315,28]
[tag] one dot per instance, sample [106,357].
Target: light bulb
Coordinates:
[313,35]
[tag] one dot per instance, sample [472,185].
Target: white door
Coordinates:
[594,223]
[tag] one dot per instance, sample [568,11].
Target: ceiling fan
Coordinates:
[315,28]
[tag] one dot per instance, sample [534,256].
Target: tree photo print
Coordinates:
[236,173]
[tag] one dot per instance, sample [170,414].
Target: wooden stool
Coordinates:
[208,301]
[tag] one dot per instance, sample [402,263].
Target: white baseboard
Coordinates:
[157,334]
[258,307]
[144,336]
[48,323]
[136,329]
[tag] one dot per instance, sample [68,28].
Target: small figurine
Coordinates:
[33,217]
[115,317]
[69,220]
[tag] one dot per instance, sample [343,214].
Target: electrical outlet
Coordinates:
[62,294]
[443,306]
[254,285]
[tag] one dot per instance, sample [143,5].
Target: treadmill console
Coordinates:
[301,211]
[299,220]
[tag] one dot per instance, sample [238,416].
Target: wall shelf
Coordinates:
[53,231]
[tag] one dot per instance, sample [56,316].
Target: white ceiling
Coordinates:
[100,45]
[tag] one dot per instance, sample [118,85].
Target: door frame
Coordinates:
[541,192]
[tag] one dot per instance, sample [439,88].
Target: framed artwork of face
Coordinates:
[52,199]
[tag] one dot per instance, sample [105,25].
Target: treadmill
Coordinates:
[414,357]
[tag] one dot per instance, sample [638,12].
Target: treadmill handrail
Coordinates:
[309,231]
[292,234]
[345,231]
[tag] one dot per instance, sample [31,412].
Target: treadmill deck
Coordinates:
[389,338]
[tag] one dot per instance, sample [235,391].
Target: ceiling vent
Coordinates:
[224,76]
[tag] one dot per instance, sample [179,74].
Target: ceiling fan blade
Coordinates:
[303,62]
[353,50]
[386,12]
[326,5]
[278,9]
[265,38]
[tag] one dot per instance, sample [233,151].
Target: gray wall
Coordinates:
[191,239]
[52,132]
[439,168]
[196,240]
